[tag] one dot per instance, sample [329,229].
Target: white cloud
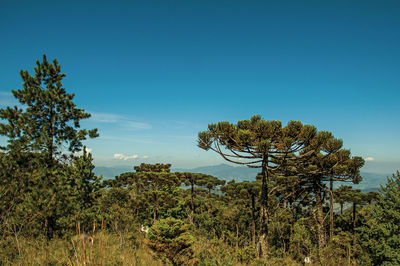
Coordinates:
[118,156]
[88,150]
[369,159]
[131,157]
[145,157]
[123,157]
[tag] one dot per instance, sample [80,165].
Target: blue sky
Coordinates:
[155,73]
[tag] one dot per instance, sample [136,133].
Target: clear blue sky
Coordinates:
[155,73]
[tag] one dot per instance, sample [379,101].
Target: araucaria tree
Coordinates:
[45,130]
[154,182]
[258,143]
[245,193]
[330,163]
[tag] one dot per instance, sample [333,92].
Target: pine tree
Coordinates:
[380,234]
[86,188]
[44,131]
[49,119]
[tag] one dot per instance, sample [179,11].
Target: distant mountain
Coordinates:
[225,172]
[111,172]
[370,182]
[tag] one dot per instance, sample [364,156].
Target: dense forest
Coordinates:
[55,211]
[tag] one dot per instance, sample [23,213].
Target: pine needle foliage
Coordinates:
[171,241]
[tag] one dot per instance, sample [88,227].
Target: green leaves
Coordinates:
[380,234]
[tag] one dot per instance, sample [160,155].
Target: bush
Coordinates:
[169,239]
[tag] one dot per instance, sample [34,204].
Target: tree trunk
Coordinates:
[291,226]
[331,208]
[264,215]
[50,226]
[155,208]
[237,235]
[253,219]
[320,218]
[192,198]
[50,142]
[354,225]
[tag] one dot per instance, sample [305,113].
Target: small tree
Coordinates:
[210,182]
[192,180]
[342,196]
[171,241]
[246,193]
[85,186]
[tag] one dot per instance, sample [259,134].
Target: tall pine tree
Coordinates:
[40,133]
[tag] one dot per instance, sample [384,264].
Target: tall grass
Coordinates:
[103,248]
[117,248]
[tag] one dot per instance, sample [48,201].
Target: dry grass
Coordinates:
[100,249]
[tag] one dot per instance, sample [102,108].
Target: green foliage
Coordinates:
[171,241]
[49,119]
[262,144]
[41,189]
[381,233]
[50,198]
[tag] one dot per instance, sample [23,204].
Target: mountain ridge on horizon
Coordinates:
[370,182]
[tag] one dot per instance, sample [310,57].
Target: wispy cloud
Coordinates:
[369,159]
[119,120]
[105,117]
[125,157]
[120,156]
[137,125]
[130,139]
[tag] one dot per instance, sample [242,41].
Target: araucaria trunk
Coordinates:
[264,215]
[319,217]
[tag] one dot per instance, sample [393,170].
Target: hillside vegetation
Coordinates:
[54,210]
